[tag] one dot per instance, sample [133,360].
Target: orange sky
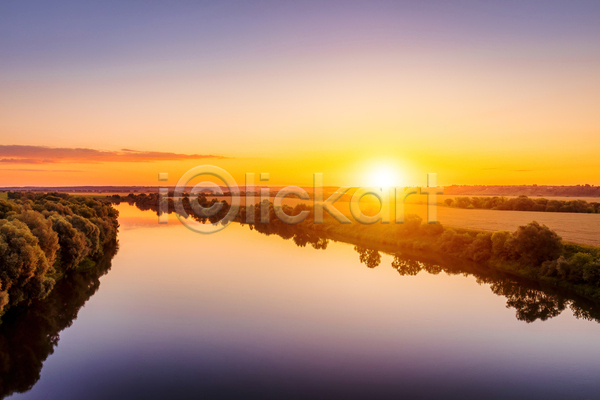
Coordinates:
[477,95]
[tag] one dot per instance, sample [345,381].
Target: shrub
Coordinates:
[534,243]
[462,202]
[411,224]
[579,264]
[41,228]
[91,232]
[481,248]
[591,273]
[8,208]
[499,247]
[433,229]
[73,243]
[23,264]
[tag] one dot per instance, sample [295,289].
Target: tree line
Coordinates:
[585,190]
[523,203]
[45,236]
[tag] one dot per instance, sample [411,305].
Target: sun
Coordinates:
[384,177]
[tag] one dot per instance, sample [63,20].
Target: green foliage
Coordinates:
[534,243]
[480,249]
[43,236]
[462,202]
[90,231]
[8,208]
[73,243]
[435,229]
[41,228]
[500,249]
[23,263]
[524,203]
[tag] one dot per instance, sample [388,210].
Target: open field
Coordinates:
[576,228]
[572,227]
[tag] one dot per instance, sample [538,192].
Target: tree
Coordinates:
[481,248]
[7,208]
[499,248]
[41,228]
[22,264]
[73,243]
[91,232]
[535,243]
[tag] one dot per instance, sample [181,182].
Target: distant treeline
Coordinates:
[46,236]
[534,251]
[524,203]
[586,190]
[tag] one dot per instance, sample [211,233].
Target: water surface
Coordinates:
[239,314]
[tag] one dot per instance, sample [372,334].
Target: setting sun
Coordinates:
[384,177]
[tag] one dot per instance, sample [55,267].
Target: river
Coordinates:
[240,314]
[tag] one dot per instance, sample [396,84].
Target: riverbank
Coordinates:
[46,236]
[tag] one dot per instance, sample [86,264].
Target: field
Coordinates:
[576,228]
[572,227]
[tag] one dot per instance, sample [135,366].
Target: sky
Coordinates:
[479,92]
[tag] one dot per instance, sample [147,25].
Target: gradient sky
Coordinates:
[504,92]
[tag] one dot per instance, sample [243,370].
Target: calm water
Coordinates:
[239,314]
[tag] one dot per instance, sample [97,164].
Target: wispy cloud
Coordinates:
[16,154]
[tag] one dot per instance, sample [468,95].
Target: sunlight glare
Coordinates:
[385,177]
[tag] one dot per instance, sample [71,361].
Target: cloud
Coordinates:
[16,154]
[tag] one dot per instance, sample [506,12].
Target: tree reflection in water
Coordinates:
[370,257]
[29,335]
[531,300]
